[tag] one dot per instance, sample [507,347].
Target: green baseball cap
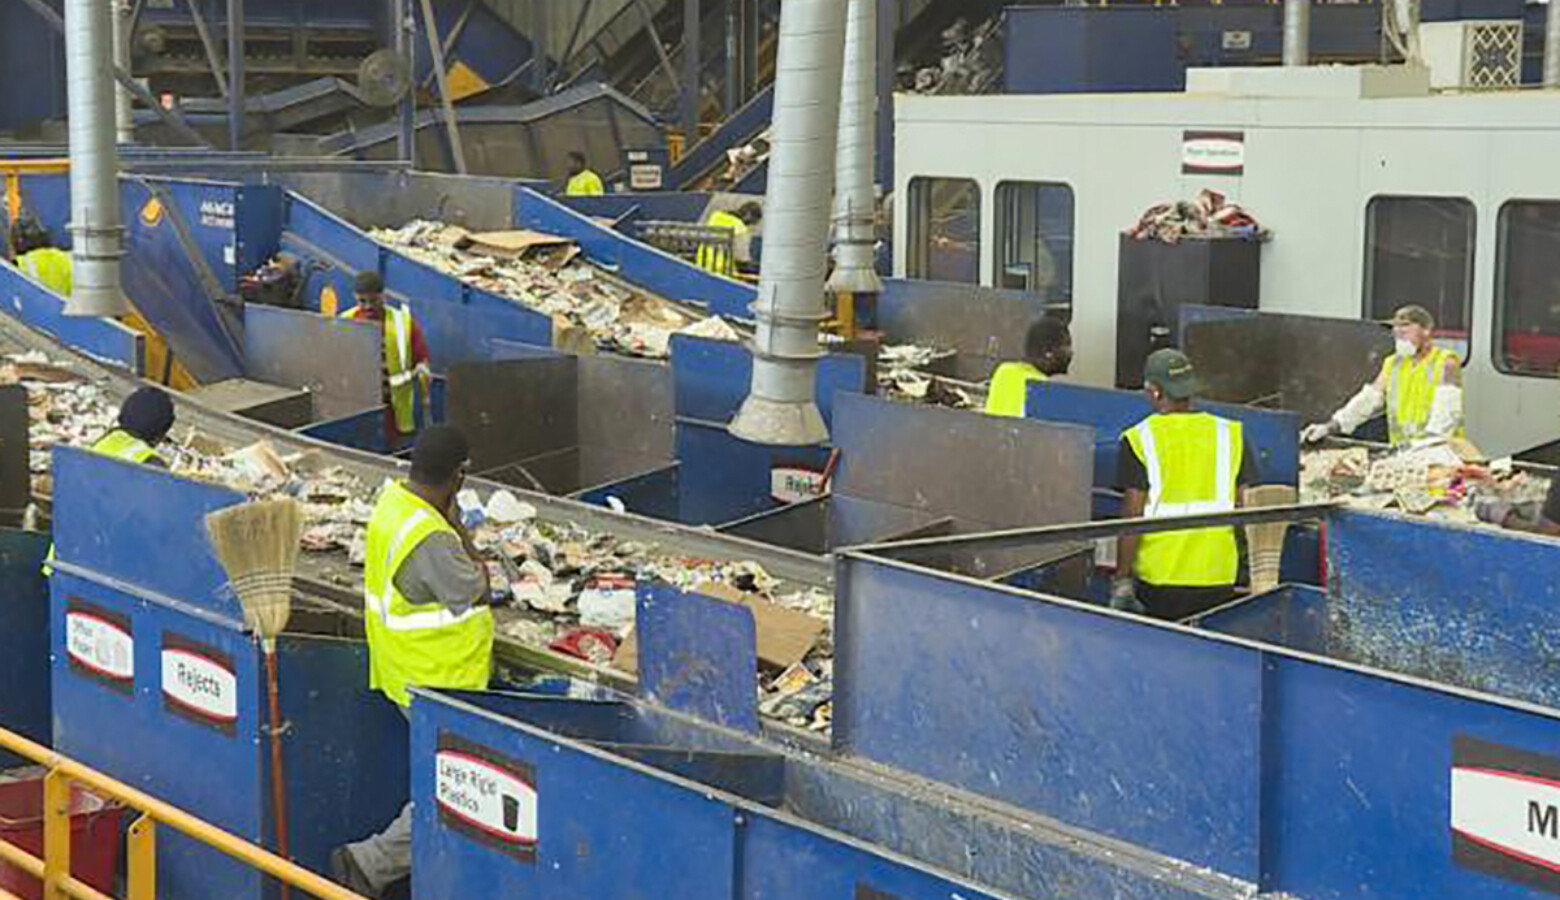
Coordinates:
[1413,314]
[1172,371]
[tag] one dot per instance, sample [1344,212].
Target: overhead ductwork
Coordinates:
[96,235]
[780,408]
[1297,32]
[855,197]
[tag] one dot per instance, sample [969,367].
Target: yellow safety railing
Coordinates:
[54,868]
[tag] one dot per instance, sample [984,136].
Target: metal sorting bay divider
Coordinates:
[337,360]
[156,683]
[1084,752]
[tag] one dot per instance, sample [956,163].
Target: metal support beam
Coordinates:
[451,127]
[213,58]
[733,56]
[888,28]
[1552,45]
[574,42]
[405,47]
[235,95]
[1297,32]
[660,45]
[752,29]
[692,67]
[541,35]
[124,115]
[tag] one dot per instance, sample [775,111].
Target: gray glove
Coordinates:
[1123,597]
[1315,434]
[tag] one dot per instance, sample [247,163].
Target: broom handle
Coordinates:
[278,784]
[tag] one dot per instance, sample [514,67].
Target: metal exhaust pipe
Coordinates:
[1297,32]
[124,113]
[780,407]
[855,198]
[96,234]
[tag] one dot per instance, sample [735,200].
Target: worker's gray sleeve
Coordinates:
[386,857]
[439,571]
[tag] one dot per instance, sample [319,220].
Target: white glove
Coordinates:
[1315,434]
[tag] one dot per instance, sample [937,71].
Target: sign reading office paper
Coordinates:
[1213,153]
[486,796]
[1505,812]
[100,645]
[199,683]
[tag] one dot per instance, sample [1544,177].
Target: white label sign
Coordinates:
[199,684]
[1213,153]
[99,645]
[217,214]
[645,177]
[486,797]
[795,485]
[1515,815]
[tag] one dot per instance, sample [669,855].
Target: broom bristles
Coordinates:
[1265,543]
[257,545]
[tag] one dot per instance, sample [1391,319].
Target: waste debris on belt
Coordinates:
[741,161]
[1210,217]
[971,62]
[1445,480]
[558,584]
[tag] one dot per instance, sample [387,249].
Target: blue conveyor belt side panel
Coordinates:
[21,298]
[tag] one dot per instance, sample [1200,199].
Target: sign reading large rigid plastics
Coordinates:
[486,796]
[199,683]
[1505,812]
[1213,153]
[100,644]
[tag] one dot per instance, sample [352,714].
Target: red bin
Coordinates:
[94,836]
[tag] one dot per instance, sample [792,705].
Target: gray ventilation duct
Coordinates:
[94,185]
[779,408]
[1552,45]
[1297,32]
[855,197]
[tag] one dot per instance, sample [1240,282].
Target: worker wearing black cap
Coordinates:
[405,356]
[425,591]
[145,418]
[39,259]
[1179,462]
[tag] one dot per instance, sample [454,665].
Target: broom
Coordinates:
[257,544]
[1265,542]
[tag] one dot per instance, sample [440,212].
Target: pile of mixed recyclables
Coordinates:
[971,61]
[741,161]
[1210,217]
[1443,480]
[546,273]
[560,585]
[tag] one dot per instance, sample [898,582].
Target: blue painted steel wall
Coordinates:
[697,655]
[461,323]
[1273,435]
[32,68]
[24,644]
[643,265]
[35,306]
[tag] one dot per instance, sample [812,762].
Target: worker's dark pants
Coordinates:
[1174,604]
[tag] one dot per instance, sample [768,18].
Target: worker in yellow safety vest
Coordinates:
[405,358]
[425,596]
[714,257]
[1047,353]
[1178,462]
[582,181]
[39,259]
[145,418]
[1420,386]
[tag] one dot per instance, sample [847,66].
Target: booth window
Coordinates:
[1420,250]
[1527,317]
[944,230]
[1035,238]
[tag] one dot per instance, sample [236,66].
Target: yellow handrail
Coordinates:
[54,867]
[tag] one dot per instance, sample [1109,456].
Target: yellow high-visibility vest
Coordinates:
[1010,387]
[1410,392]
[1193,462]
[416,644]
[399,370]
[49,267]
[713,257]
[585,184]
[119,444]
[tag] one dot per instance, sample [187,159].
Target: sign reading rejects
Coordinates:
[198,683]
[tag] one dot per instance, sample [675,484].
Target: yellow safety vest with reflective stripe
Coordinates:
[1010,388]
[49,267]
[416,644]
[585,184]
[119,444]
[713,257]
[1193,462]
[399,370]
[1410,392]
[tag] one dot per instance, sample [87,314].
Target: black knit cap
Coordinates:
[438,455]
[368,284]
[147,414]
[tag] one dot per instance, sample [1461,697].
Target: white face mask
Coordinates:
[1406,348]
